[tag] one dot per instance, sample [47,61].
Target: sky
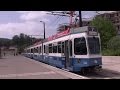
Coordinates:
[28,22]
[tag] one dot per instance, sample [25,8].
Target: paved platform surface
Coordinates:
[111,63]
[20,67]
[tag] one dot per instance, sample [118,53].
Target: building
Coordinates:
[10,50]
[114,17]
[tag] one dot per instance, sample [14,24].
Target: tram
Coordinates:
[75,49]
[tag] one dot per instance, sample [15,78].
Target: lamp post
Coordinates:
[44,27]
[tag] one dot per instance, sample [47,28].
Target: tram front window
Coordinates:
[80,46]
[94,45]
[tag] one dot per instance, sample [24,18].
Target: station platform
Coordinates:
[111,63]
[20,67]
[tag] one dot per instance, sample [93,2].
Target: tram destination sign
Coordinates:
[92,31]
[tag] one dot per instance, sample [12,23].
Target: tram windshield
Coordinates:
[94,45]
[80,46]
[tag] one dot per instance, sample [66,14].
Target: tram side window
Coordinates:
[70,43]
[62,47]
[28,50]
[50,48]
[59,47]
[31,50]
[40,49]
[55,49]
[34,50]
[44,48]
[37,50]
[80,46]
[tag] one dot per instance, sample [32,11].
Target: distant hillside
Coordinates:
[5,42]
[4,39]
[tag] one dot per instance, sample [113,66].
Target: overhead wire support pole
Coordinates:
[80,19]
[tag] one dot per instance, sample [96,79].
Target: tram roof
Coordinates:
[64,33]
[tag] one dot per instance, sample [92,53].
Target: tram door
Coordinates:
[66,53]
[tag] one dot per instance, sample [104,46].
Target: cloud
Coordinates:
[30,24]
[29,28]
[33,15]
[101,12]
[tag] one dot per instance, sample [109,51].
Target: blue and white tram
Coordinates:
[75,50]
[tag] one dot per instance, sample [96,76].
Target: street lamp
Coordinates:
[44,27]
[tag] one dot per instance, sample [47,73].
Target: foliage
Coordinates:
[109,52]
[114,43]
[113,46]
[106,30]
[5,42]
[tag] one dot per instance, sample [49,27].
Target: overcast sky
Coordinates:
[16,22]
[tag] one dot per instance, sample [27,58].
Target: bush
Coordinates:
[106,29]
[109,52]
[114,43]
[113,47]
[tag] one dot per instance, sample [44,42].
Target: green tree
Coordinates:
[113,47]
[105,28]
[22,41]
[114,43]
